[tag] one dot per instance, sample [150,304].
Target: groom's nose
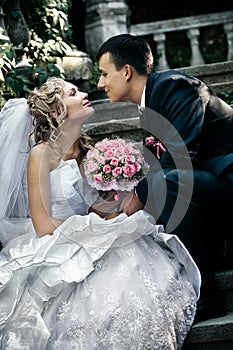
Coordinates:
[100,84]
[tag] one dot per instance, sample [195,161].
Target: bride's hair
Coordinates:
[49,111]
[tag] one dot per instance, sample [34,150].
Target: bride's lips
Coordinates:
[87,104]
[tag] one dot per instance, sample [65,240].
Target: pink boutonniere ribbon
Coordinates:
[159,146]
[151,142]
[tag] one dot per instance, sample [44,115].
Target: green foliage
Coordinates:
[7,63]
[50,37]
[52,70]
[50,30]
[177,49]
[226,96]
[92,83]
[213,44]
[17,84]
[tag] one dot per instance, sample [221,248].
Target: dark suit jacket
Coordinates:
[204,121]
[190,120]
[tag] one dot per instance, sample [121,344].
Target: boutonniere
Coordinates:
[154,145]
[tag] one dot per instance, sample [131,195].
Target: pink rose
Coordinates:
[114,162]
[129,170]
[150,141]
[116,196]
[137,167]
[92,166]
[93,154]
[107,169]
[119,151]
[109,154]
[98,178]
[117,171]
[101,145]
[127,150]
[101,159]
[130,159]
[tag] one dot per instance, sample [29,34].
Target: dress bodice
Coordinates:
[70,193]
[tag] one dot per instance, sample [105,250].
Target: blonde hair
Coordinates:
[49,111]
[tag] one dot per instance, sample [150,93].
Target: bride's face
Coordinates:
[74,99]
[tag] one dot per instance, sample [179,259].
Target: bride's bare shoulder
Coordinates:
[42,153]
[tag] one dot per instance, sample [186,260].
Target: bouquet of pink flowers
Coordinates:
[115,164]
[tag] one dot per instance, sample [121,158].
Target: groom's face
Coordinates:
[113,81]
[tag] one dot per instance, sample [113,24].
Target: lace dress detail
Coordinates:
[121,284]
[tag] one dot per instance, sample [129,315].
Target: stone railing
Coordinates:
[192,27]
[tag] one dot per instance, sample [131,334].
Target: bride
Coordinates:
[70,279]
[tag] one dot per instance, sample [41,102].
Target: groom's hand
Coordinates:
[131,204]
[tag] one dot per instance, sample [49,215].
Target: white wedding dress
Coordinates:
[120,284]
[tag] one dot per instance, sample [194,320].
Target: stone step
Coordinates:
[216,75]
[224,281]
[122,118]
[215,333]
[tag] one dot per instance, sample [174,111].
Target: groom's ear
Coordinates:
[128,71]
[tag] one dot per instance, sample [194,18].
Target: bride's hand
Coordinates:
[106,203]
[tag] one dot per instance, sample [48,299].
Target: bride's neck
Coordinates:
[73,152]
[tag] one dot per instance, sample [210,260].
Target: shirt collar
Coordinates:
[142,106]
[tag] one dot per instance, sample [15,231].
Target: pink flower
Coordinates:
[116,196]
[119,152]
[137,167]
[101,159]
[130,159]
[101,145]
[98,178]
[107,169]
[109,154]
[117,171]
[92,166]
[127,150]
[114,162]
[150,141]
[93,154]
[129,170]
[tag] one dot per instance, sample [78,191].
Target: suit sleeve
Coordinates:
[180,101]
[142,191]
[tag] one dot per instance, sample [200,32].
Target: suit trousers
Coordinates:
[195,205]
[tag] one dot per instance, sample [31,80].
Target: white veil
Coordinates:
[15,129]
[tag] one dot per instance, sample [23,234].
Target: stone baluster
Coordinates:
[161,53]
[228,28]
[196,57]
[103,20]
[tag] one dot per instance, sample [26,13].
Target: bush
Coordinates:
[50,37]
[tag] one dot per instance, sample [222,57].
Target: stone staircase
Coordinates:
[217,333]
[122,119]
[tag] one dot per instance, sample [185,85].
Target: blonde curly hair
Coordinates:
[49,112]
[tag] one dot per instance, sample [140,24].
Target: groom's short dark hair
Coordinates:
[128,49]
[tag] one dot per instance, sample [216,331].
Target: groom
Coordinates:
[191,180]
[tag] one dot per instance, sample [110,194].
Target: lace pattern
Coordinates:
[141,313]
[139,322]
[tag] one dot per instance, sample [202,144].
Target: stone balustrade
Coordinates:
[191,25]
[112,17]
